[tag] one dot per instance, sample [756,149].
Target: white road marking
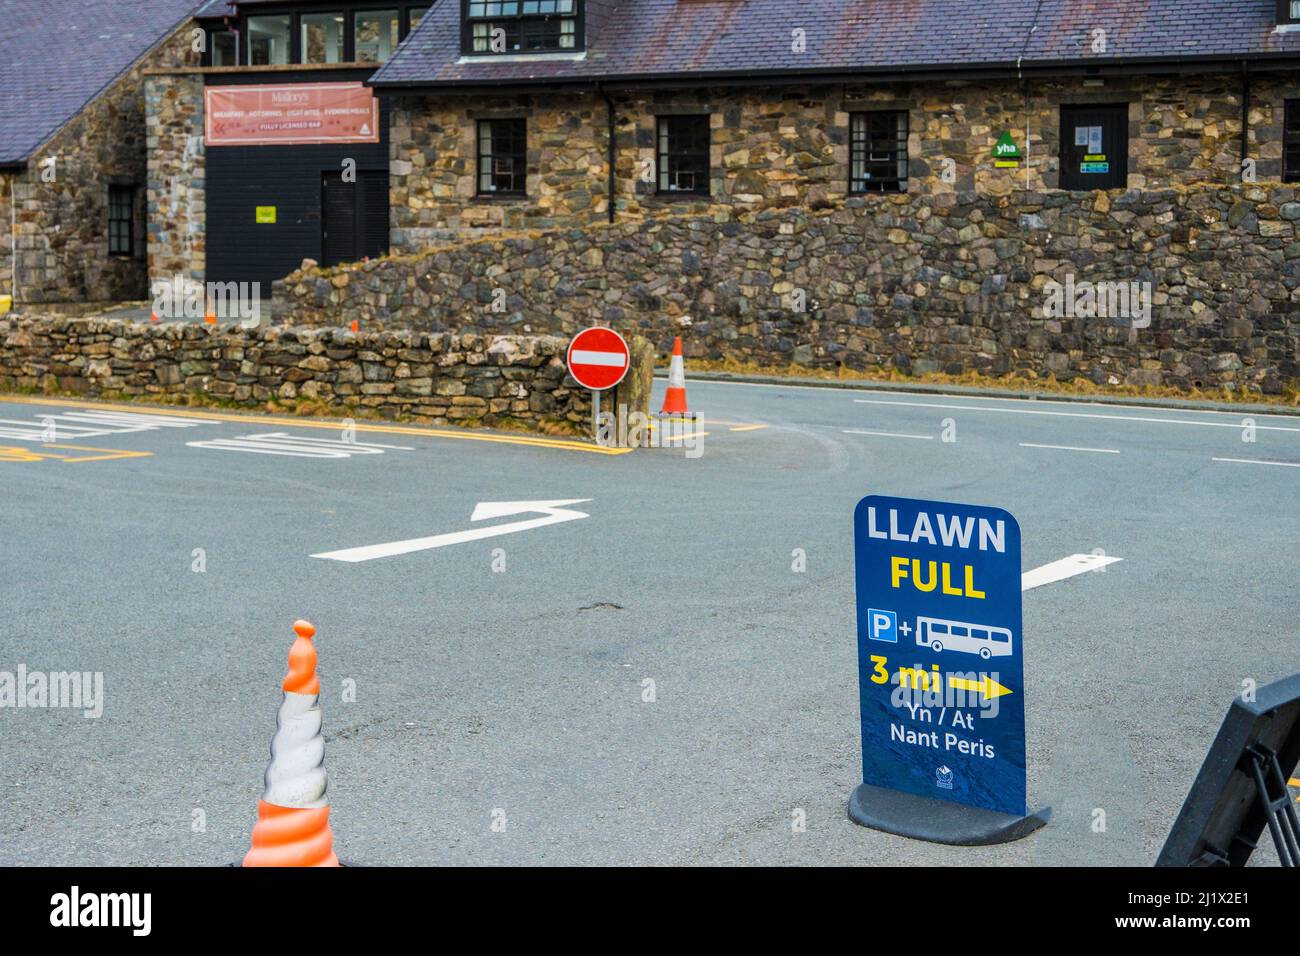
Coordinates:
[586,357]
[553,512]
[89,424]
[1256,461]
[1064,568]
[1041,411]
[856,431]
[296,446]
[1104,451]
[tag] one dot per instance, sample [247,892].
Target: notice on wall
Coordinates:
[290,113]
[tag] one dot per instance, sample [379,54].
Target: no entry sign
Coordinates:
[598,358]
[940,656]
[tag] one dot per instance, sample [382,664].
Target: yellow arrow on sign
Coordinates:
[985,686]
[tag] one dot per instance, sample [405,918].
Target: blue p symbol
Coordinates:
[882,625]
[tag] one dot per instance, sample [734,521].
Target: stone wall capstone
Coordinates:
[947,283]
[512,381]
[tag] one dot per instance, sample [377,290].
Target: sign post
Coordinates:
[598,359]
[941,672]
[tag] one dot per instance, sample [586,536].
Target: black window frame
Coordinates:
[518,136]
[1290,140]
[864,144]
[298,54]
[292,55]
[1072,181]
[669,157]
[528,24]
[239,25]
[121,196]
[210,34]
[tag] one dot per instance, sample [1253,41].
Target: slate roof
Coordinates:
[648,39]
[56,55]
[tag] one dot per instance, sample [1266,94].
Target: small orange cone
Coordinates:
[153,316]
[293,827]
[356,326]
[675,396]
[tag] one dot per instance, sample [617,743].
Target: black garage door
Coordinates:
[288,184]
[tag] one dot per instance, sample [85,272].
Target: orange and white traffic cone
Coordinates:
[210,315]
[293,827]
[675,396]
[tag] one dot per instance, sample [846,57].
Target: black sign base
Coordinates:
[924,818]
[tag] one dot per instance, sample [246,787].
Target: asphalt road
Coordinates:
[517,694]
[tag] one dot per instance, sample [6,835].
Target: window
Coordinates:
[684,155]
[1291,142]
[878,152]
[121,220]
[1094,147]
[502,157]
[268,40]
[322,38]
[415,15]
[520,26]
[377,35]
[223,48]
[1288,11]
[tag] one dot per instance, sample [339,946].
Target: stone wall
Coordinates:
[6,234]
[432,173]
[512,381]
[780,148]
[176,192]
[946,282]
[62,242]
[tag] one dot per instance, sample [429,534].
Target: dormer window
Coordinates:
[521,26]
[1288,11]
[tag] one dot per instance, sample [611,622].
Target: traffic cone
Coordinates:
[153,316]
[210,315]
[675,396]
[293,826]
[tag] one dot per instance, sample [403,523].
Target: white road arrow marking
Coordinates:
[1065,568]
[553,512]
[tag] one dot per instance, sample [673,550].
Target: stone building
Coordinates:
[964,154]
[72,143]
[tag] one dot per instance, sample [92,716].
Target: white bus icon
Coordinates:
[940,635]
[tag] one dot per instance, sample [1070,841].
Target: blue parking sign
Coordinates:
[882,626]
[940,651]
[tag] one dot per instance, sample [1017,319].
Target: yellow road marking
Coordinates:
[1294,781]
[361,425]
[731,426]
[14,453]
[671,438]
[109,454]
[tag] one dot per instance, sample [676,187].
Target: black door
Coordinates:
[354,217]
[1094,147]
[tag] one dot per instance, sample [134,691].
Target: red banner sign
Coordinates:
[292,113]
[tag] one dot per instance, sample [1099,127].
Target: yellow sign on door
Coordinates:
[266,215]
